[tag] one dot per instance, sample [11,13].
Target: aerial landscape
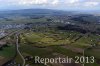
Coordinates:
[49,33]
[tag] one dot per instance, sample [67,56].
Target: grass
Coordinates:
[93,52]
[49,38]
[8,52]
[18,59]
[32,37]
[52,39]
[43,39]
[64,51]
[22,21]
[29,49]
[71,54]
[85,41]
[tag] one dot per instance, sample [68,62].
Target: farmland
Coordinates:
[49,35]
[57,42]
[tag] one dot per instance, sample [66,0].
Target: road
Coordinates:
[17,47]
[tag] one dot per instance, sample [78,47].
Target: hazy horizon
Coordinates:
[74,5]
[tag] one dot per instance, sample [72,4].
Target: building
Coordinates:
[2,32]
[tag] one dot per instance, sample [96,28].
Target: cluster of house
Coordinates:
[2,32]
[9,26]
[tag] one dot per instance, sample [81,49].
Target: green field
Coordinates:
[20,20]
[52,42]
[8,52]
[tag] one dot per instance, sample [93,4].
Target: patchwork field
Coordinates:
[57,43]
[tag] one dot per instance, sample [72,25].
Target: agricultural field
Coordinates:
[6,53]
[48,35]
[58,44]
[21,20]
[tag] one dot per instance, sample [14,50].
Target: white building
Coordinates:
[2,32]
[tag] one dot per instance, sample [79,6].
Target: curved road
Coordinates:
[17,47]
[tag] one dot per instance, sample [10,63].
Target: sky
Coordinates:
[50,4]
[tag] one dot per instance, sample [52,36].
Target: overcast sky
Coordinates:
[51,4]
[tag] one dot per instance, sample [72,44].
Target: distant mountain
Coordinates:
[26,12]
[47,12]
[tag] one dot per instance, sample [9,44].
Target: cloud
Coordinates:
[55,2]
[34,2]
[73,1]
[82,3]
[51,3]
[86,3]
[91,4]
[39,2]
